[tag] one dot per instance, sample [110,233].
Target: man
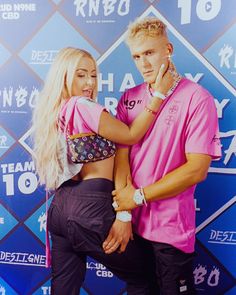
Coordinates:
[165,165]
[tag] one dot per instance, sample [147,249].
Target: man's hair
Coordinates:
[149,26]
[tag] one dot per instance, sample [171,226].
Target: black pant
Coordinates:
[79,220]
[174,268]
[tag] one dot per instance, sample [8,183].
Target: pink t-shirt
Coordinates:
[187,123]
[85,113]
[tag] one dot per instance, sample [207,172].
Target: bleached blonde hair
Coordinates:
[148,26]
[57,88]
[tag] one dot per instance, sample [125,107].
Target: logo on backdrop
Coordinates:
[222,54]
[219,231]
[14,11]
[104,8]
[19,182]
[21,173]
[21,19]
[209,275]
[37,221]
[222,237]
[113,17]
[13,99]
[100,269]
[196,15]
[6,141]
[40,52]
[204,274]
[227,56]
[22,258]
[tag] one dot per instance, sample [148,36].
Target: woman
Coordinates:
[81,212]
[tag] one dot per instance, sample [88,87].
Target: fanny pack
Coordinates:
[89,147]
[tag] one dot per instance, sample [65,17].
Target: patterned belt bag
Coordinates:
[89,147]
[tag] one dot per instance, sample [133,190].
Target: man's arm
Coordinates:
[192,172]
[120,232]
[122,168]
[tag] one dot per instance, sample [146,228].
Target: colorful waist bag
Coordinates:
[89,147]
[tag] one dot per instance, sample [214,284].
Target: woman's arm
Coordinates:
[117,131]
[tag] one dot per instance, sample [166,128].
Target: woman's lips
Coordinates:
[87,93]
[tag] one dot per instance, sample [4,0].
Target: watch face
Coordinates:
[138,198]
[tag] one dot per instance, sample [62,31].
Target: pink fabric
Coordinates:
[186,123]
[86,114]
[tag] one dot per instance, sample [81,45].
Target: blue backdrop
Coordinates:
[31,33]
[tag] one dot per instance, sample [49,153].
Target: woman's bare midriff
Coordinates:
[99,169]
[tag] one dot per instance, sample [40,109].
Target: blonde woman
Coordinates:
[81,212]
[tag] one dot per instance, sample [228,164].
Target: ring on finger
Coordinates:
[115,205]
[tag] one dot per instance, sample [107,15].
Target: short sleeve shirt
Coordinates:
[186,123]
[84,116]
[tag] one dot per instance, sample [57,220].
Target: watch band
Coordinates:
[144,199]
[158,94]
[124,216]
[139,197]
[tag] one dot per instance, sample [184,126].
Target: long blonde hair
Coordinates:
[57,88]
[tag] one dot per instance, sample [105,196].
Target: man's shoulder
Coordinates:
[193,86]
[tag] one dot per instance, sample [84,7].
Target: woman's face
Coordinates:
[85,78]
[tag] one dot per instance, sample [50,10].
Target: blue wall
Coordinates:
[31,33]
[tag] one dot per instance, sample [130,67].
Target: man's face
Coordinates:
[149,53]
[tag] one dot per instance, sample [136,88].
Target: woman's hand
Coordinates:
[165,79]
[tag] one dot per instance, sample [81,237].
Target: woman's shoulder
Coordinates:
[82,100]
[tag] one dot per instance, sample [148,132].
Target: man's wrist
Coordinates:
[124,216]
[139,197]
[158,94]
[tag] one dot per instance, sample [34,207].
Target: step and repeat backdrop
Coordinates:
[31,33]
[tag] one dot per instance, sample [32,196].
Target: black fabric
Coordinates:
[174,268]
[79,219]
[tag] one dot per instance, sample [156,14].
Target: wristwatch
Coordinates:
[138,197]
[158,94]
[124,216]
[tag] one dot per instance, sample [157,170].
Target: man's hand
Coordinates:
[124,197]
[118,237]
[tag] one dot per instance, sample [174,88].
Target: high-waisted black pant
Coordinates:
[79,220]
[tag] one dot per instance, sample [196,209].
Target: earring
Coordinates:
[169,57]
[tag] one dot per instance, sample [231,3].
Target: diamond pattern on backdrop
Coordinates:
[42,48]
[200,22]
[5,288]
[22,19]
[17,96]
[219,236]
[6,141]
[210,276]
[222,54]
[39,32]
[19,260]
[7,222]
[112,17]
[37,222]
[4,54]
[105,280]
[19,188]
